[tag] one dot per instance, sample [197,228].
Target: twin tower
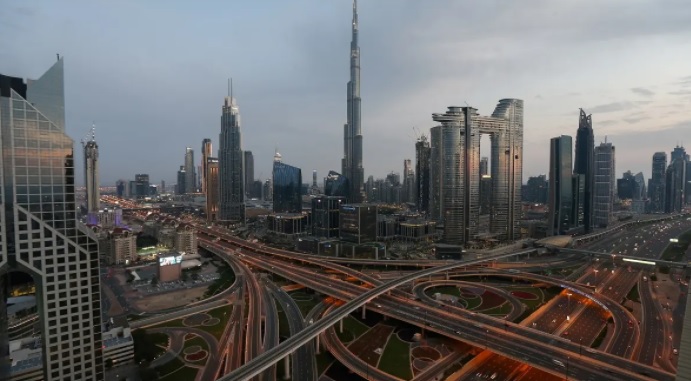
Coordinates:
[455,170]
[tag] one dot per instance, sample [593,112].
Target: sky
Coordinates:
[152,74]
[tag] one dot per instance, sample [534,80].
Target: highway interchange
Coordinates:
[542,345]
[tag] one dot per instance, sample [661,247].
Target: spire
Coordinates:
[93,131]
[355,15]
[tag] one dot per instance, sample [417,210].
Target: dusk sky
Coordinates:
[153,74]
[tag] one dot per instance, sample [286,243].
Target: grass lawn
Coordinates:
[473,303]
[196,341]
[305,305]
[184,373]
[222,314]
[530,304]
[395,359]
[227,277]
[448,290]
[353,325]
[502,310]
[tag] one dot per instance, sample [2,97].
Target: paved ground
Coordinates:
[169,300]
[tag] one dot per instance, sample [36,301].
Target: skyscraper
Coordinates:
[39,232]
[408,189]
[231,179]
[484,166]
[352,131]
[207,152]
[535,189]
[287,183]
[336,184]
[560,190]
[190,178]
[249,172]
[675,178]
[181,187]
[656,185]
[211,189]
[584,165]
[604,184]
[422,173]
[93,195]
[455,167]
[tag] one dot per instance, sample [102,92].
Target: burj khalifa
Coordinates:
[352,132]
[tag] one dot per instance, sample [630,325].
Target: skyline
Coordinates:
[135,77]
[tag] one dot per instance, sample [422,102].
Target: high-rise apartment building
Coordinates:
[231,197]
[675,179]
[351,164]
[560,185]
[604,184]
[422,173]
[181,187]
[535,189]
[656,185]
[139,188]
[207,152]
[454,169]
[325,215]
[335,184]
[39,231]
[584,165]
[484,166]
[91,180]
[190,178]
[211,189]
[287,184]
[249,172]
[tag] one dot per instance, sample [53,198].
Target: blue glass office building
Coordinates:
[287,184]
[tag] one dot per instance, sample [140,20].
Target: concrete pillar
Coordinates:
[340,325]
[376,253]
[364,308]
[447,275]
[286,367]
[318,344]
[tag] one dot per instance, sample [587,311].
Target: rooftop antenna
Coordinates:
[58,54]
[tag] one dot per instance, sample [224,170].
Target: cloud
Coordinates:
[633,120]
[606,123]
[643,91]
[538,96]
[611,107]
[680,92]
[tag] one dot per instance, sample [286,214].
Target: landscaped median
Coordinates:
[395,359]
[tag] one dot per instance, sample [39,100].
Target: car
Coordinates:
[565,334]
[493,376]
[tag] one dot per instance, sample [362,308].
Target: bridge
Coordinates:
[639,221]
[623,257]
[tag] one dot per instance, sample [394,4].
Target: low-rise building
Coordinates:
[118,346]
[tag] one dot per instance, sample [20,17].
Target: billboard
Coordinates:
[172,260]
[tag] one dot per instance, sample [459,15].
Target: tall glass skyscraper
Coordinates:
[249,172]
[39,232]
[604,184]
[335,184]
[455,168]
[584,165]
[656,185]
[190,178]
[91,179]
[352,132]
[422,173]
[207,152]
[560,196]
[287,184]
[230,164]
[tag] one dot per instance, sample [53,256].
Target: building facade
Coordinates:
[535,189]
[351,164]
[249,172]
[190,178]
[207,152]
[675,179]
[454,169]
[656,185]
[358,223]
[185,239]
[211,189]
[335,184]
[603,201]
[39,232]
[287,185]
[123,246]
[91,180]
[231,196]
[325,215]
[422,174]
[584,165]
[560,194]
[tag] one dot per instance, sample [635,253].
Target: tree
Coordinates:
[184,276]
[154,280]
[108,363]
[195,276]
